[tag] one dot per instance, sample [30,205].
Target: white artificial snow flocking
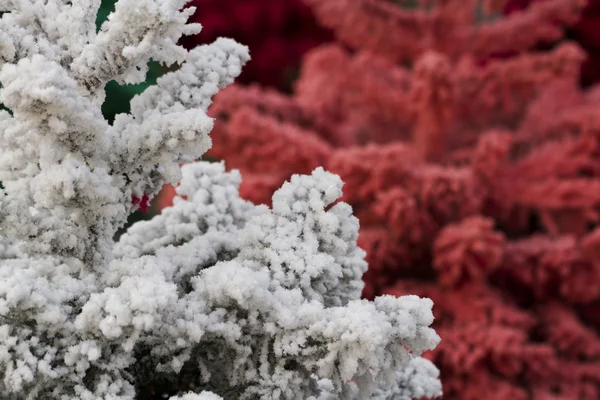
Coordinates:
[215,298]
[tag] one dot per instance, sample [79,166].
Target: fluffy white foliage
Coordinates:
[417,380]
[201,396]
[215,298]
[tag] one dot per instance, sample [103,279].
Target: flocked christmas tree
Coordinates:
[215,297]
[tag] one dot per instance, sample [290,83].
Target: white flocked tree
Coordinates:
[215,297]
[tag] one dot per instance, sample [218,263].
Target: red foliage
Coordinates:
[141,203]
[476,179]
[402,34]
[586,32]
[278,33]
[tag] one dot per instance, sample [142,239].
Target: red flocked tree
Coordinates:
[476,178]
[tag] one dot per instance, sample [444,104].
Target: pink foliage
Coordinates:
[401,34]
[476,178]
